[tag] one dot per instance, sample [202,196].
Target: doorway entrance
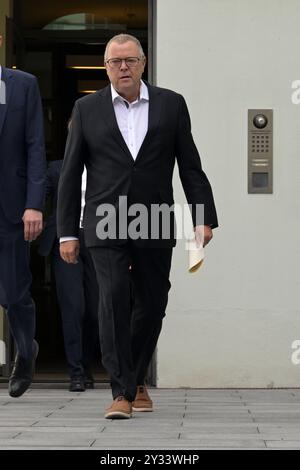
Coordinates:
[63,45]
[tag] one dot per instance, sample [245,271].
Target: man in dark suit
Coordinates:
[128,136]
[22,180]
[77,293]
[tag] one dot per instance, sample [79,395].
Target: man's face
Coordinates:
[125,80]
[1,38]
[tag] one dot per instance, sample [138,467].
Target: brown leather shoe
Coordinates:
[119,409]
[142,400]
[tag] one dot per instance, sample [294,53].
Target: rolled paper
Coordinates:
[196,255]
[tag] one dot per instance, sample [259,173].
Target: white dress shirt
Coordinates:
[132,119]
[83,189]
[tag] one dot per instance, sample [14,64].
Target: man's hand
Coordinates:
[33,224]
[69,251]
[203,234]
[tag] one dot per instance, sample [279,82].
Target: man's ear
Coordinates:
[1,39]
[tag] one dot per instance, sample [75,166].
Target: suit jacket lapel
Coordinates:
[111,121]
[6,77]
[154,117]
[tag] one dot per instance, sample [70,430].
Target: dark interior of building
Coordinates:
[62,43]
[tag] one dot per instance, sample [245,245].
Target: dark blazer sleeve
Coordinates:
[49,235]
[69,188]
[194,181]
[36,161]
[49,182]
[52,178]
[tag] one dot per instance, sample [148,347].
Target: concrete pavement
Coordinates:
[183,419]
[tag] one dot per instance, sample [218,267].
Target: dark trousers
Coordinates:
[77,294]
[132,305]
[15,280]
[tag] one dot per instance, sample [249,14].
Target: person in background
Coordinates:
[22,187]
[77,292]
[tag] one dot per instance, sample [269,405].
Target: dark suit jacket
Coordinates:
[22,154]
[49,235]
[96,141]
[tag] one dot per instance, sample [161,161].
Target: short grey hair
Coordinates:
[121,39]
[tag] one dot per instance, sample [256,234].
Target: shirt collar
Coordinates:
[144,93]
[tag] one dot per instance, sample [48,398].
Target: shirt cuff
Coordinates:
[67,239]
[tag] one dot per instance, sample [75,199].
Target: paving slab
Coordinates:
[182,419]
[283,444]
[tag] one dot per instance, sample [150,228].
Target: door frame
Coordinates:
[152,78]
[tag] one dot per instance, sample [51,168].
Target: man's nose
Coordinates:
[123,65]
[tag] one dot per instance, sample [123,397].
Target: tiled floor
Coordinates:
[183,419]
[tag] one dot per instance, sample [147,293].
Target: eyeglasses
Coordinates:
[129,61]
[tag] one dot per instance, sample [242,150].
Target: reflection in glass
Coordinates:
[82,21]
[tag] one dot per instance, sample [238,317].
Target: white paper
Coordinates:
[196,256]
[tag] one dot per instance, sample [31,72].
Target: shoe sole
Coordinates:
[117,415]
[142,409]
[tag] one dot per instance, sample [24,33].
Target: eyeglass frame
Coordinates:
[126,58]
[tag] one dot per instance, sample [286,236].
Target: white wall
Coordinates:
[232,323]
